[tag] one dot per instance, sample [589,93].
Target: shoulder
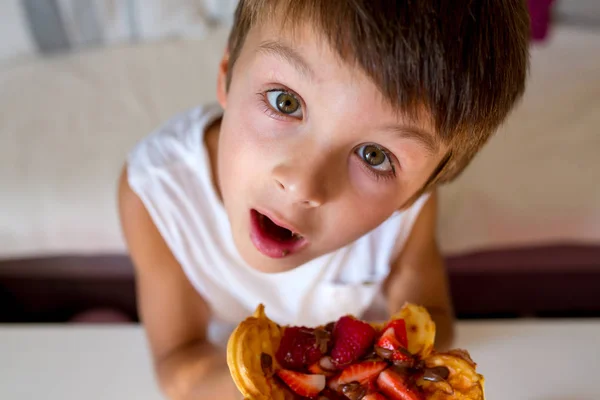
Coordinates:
[382,247]
[166,194]
[396,230]
[420,233]
[177,140]
[399,226]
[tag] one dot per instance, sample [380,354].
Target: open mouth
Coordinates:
[271,239]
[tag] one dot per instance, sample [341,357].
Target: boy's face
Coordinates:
[308,142]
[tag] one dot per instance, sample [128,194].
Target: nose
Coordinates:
[303,185]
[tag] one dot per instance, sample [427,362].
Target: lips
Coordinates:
[272,238]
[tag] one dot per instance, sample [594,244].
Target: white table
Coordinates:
[528,360]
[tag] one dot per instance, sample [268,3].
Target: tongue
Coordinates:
[275,231]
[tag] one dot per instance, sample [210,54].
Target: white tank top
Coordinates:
[170,171]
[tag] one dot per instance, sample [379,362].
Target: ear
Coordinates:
[222,80]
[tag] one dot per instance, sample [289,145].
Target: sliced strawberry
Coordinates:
[394,386]
[388,340]
[395,351]
[306,385]
[298,348]
[374,396]
[400,357]
[372,386]
[352,339]
[399,326]
[363,373]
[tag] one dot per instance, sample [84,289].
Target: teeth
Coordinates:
[296,236]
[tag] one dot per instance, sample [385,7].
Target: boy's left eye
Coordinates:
[285,103]
[375,157]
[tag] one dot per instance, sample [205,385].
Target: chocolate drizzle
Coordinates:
[323,339]
[266,363]
[436,374]
[354,391]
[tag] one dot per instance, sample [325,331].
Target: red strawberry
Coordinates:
[372,386]
[302,384]
[374,396]
[404,357]
[351,340]
[298,348]
[389,341]
[394,386]
[362,373]
[399,326]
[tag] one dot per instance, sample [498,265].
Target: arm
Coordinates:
[174,314]
[419,276]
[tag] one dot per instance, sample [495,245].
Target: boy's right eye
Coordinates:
[285,103]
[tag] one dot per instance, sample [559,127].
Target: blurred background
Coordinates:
[82,80]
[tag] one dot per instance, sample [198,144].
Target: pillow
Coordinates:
[31,27]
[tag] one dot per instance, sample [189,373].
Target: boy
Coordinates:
[311,186]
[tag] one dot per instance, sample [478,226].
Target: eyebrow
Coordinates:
[419,135]
[288,54]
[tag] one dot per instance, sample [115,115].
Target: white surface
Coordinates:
[64,363]
[67,123]
[557,360]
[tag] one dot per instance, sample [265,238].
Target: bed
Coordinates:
[525,216]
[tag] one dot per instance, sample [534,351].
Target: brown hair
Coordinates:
[465,61]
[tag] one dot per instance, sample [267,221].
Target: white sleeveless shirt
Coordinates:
[170,171]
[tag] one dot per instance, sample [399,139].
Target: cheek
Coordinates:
[246,148]
[373,201]
[375,193]
[238,153]
[248,124]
